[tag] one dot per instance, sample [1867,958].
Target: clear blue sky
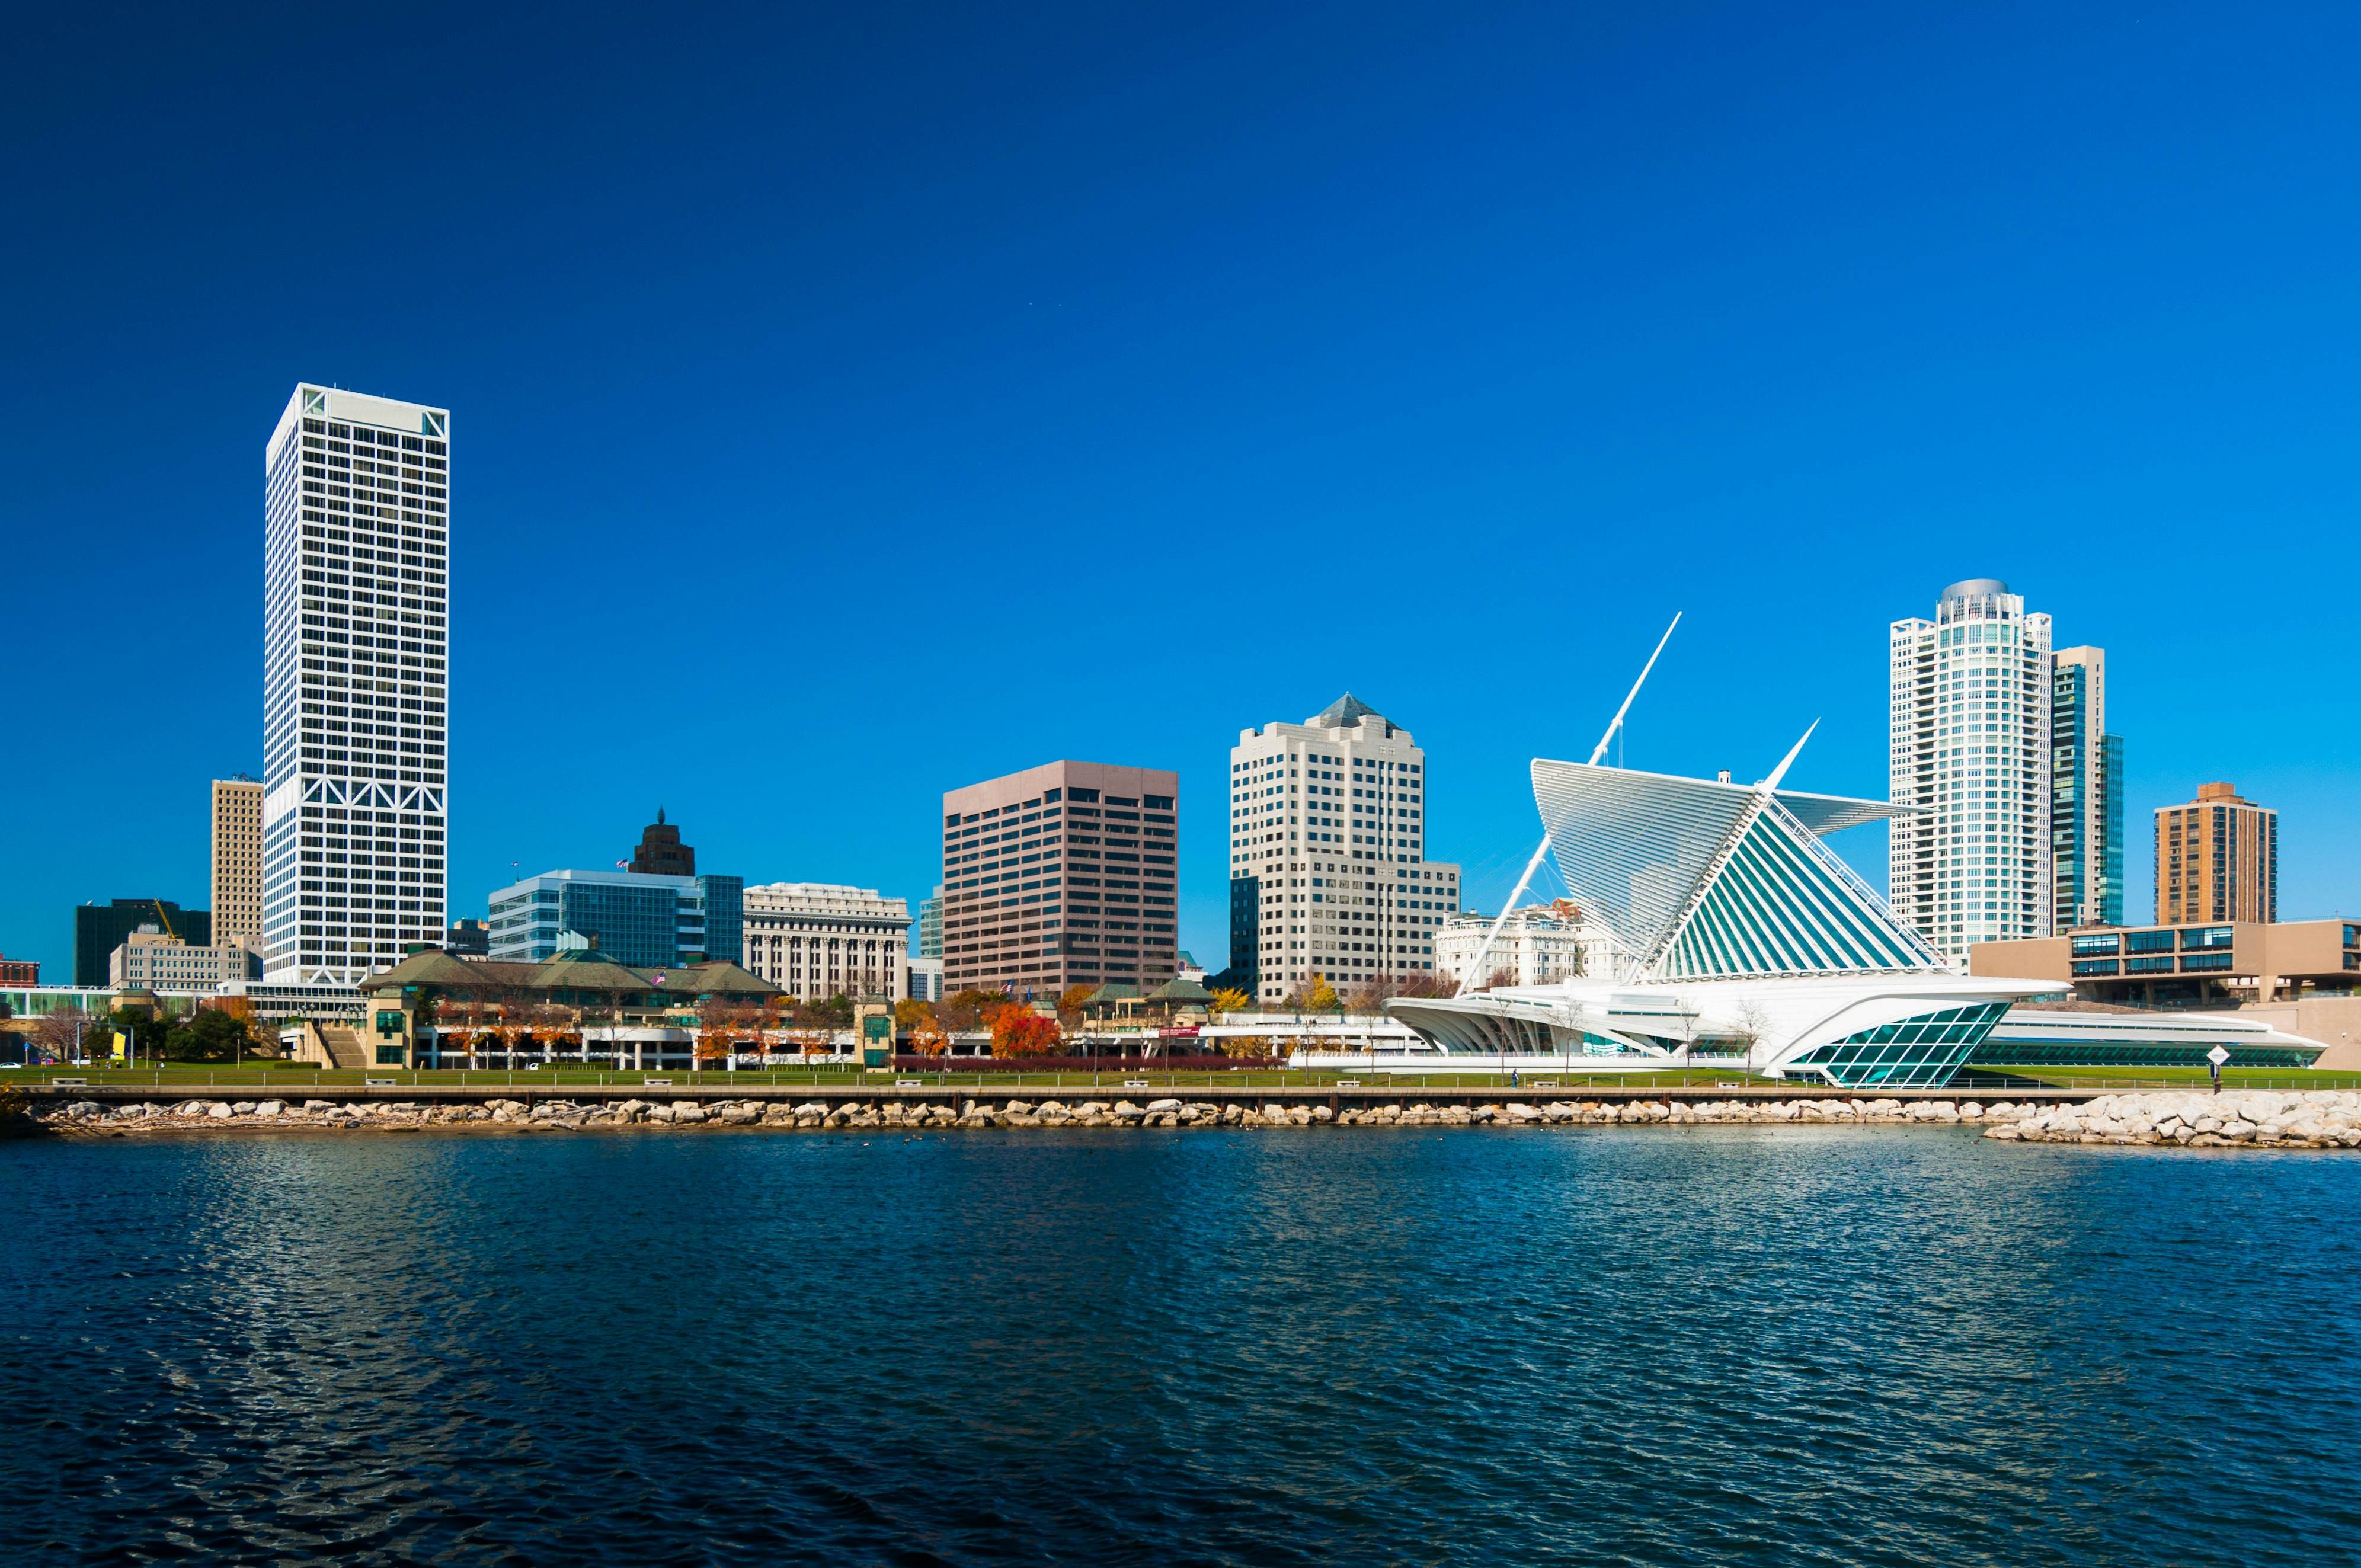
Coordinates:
[851,403]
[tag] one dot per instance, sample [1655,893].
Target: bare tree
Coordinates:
[1682,1011]
[62,1035]
[1753,1029]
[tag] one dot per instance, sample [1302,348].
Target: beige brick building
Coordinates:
[237,862]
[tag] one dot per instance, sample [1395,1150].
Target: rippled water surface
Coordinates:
[1423,1345]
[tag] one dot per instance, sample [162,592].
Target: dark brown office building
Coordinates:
[661,852]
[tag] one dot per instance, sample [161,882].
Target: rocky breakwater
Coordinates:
[2314,1119]
[234,1115]
[568,1115]
[2308,1119]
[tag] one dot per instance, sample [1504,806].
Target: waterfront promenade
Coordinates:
[1338,1096]
[177,1081]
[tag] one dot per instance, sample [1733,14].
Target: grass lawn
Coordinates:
[2177,1077]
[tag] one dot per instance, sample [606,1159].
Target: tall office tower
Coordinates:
[1969,755]
[2086,794]
[1063,874]
[1328,867]
[2217,859]
[237,862]
[355,809]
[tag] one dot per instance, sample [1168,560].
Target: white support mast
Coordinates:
[1598,753]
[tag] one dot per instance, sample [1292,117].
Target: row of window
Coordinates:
[1276,766]
[2097,944]
[423,535]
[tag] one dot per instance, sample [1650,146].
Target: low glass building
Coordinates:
[631,916]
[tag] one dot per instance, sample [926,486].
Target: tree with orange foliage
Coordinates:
[1018,1031]
[1073,1000]
[971,1009]
[721,1026]
[922,1023]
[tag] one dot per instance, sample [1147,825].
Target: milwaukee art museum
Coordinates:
[1739,933]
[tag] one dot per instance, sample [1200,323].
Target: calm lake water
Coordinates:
[1425,1346]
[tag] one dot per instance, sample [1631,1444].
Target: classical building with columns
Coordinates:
[817,939]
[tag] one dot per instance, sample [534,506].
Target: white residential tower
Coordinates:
[1971,752]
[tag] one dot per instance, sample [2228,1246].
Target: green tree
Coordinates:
[211,1036]
[148,1037]
[835,1012]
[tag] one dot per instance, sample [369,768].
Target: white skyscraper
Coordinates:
[1328,870]
[1971,749]
[355,683]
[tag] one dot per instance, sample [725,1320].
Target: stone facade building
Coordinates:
[1540,945]
[815,940]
